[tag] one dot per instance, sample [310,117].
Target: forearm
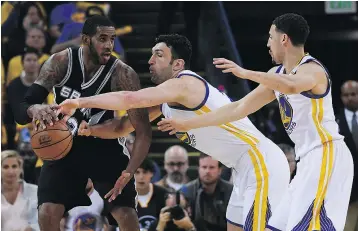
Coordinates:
[35,95]
[112,129]
[140,149]
[120,100]
[278,82]
[228,113]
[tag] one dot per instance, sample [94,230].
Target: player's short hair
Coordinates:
[91,24]
[29,50]
[147,165]
[203,155]
[295,26]
[179,45]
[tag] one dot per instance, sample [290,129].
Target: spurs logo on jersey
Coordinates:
[74,85]
[308,118]
[226,143]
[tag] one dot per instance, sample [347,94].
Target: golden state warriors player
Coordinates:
[261,168]
[302,87]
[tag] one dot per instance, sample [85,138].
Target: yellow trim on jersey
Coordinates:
[261,173]
[151,190]
[326,165]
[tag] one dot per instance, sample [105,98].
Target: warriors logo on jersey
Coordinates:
[285,111]
[86,221]
[186,138]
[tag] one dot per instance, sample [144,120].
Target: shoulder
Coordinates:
[60,57]
[311,67]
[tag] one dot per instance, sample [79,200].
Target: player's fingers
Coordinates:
[52,113]
[228,70]
[163,122]
[224,66]
[109,193]
[165,128]
[42,124]
[173,132]
[34,125]
[48,119]
[219,60]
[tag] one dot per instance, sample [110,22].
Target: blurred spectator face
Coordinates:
[101,44]
[30,63]
[176,163]
[11,170]
[275,44]
[34,15]
[209,170]
[35,38]
[349,95]
[161,63]
[142,178]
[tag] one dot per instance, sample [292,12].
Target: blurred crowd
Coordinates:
[168,199]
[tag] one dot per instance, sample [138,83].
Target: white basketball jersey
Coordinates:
[308,119]
[226,143]
[86,217]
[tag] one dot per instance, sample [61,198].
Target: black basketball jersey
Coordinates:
[74,86]
[148,213]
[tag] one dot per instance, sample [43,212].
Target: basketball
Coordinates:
[52,143]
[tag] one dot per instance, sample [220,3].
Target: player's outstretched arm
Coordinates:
[52,72]
[114,128]
[169,91]
[306,78]
[228,113]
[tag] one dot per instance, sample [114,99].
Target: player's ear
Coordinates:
[86,40]
[284,38]
[178,64]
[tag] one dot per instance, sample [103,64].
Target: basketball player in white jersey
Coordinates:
[260,167]
[318,196]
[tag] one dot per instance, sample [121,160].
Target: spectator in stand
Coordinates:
[71,35]
[348,127]
[35,38]
[209,196]
[176,166]
[151,198]
[18,198]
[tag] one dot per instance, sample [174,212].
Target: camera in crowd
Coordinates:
[176,212]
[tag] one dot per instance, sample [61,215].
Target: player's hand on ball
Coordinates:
[173,126]
[43,114]
[229,66]
[68,107]
[119,186]
[84,129]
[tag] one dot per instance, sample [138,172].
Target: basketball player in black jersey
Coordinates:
[85,71]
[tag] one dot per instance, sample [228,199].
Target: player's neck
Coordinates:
[292,58]
[89,64]
[176,73]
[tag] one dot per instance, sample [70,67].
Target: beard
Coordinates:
[177,177]
[93,54]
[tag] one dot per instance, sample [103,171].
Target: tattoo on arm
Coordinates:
[53,70]
[126,79]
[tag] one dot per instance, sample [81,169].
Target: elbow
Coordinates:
[131,100]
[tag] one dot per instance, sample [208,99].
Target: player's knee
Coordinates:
[50,214]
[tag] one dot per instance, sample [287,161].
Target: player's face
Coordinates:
[275,46]
[161,63]
[102,44]
[209,170]
[142,178]
[10,170]
[31,64]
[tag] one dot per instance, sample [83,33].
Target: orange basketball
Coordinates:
[52,143]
